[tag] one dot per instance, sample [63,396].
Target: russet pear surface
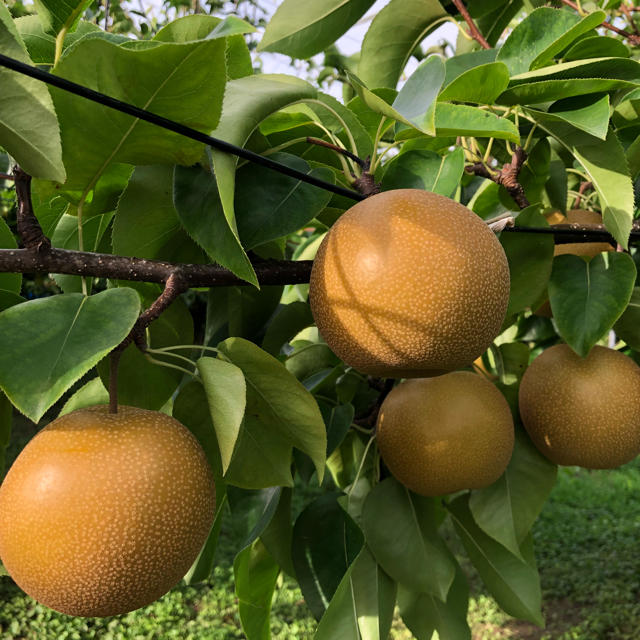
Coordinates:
[583,411]
[444,434]
[408,283]
[103,513]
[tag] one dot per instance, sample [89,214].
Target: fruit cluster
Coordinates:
[410,284]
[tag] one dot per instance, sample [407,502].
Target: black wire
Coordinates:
[165,123]
[227,147]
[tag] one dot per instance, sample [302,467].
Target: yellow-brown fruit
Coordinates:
[444,434]
[408,283]
[584,218]
[583,411]
[103,513]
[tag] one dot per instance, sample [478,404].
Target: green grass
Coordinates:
[587,545]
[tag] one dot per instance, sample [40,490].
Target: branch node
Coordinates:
[29,228]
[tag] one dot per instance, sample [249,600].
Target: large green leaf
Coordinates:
[191,409]
[201,27]
[29,129]
[507,509]
[514,584]
[401,531]
[548,90]
[56,15]
[270,205]
[362,606]
[255,573]
[146,223]
[460,64]
[392,37]
[530,257]
[302,29]
[628,325]
[464,120]
[588,297]
[493,24]
[279,410]
[541,35]
[247,102]
[93,136]
[47,344]
[481,84]
[424,613]
[226,392]
[597,47]
[611,68]
[415,104]
[325,542]
[587,113]
[425,170]
[605,163]
[197,202]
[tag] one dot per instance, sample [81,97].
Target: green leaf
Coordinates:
[610,68]
[605,163]
[392,37]
[255,573]
[6,418]
[493,24]
[588,297]
[481,84]
[507,509]
[587,113]
[362,606]
[42,46]
[278,533]
[513,583]
[544,33]
[464,120]
[302,30]
[548,90]
[425,170]
[11,282]
[170,72]
[414,105]
[90,394]
[530,257]
[56,15]
[226,392]
[457,65]
[191,409]
[338,419]
[597,47]
[423,613]
[146,224]
[29,129]
[534,173]
[401,531]
[247,102]
[289,321]
[200,211]
[47,344]
[627,326]
[270,205]
[279,409]
[201,27]
[325,542]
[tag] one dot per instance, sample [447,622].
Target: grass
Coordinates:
[587,546]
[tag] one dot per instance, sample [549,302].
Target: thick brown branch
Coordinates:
[29,229]
[507,176]
[473,29]
[104,265]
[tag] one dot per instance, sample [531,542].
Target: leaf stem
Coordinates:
[171,366]
[59,44]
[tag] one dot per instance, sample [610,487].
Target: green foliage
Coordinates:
[272,418]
